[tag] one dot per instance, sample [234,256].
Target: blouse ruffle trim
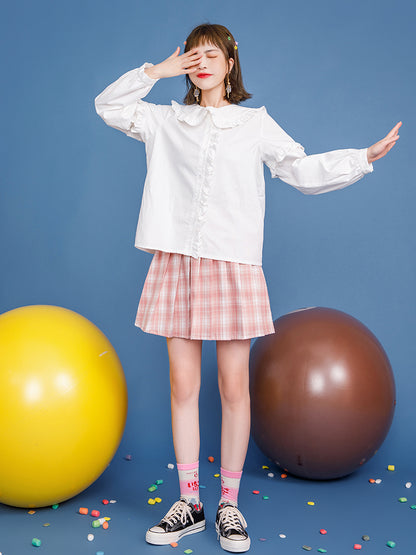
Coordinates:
[223,117]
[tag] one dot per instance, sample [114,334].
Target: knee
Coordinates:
[233,371]
[234,388]
[184,387]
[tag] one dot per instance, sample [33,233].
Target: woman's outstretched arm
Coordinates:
[318,173]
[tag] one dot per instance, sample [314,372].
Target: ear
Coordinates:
[230,64]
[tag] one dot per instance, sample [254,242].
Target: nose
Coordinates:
[202,63]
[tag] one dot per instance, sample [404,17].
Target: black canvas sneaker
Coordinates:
[182,519]
[231,529]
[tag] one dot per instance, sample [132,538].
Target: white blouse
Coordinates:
[204,193]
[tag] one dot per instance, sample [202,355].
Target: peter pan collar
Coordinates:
[223,117]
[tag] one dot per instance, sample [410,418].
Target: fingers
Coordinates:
[192,63]
[178,49]
[192,60]
[191,51]
[178,65]
[394,130]
[189,70]
[192,54]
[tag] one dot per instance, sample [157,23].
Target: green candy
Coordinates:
[153,487]
[413,506]
[95,524]
[402,499]
[321,550]
[55,506]
[265,497]
[36,542]
[158,482]
[391,544]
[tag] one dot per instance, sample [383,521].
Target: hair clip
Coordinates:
[235,43]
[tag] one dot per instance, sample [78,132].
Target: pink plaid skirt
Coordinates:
[200,298]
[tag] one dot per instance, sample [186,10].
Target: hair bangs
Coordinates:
[204,33]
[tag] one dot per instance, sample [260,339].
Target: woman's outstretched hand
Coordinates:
[175,64]
[381,148]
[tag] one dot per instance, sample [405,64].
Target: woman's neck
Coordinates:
[214,98]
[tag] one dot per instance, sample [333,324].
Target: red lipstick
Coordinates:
[203,75]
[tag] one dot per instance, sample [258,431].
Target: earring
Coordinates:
[196,93]
[228,88]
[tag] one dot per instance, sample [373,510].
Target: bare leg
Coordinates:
[185,380]
[233,383]
[186,516]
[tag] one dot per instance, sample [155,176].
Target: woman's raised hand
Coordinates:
[175,64]
[381,148]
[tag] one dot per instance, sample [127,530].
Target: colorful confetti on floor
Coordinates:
[372,510]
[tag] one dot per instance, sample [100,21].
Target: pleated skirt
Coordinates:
[201,298]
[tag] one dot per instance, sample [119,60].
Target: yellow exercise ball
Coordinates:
[63,405]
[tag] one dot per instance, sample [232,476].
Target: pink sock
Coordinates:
[189,481]
[230,484]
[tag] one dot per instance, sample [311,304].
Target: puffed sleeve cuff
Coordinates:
[121,106]
[142,75]
[125,91]
[365,166]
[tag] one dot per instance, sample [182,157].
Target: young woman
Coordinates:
[202,216]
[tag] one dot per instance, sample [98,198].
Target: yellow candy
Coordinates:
[157,499]
[151,501]
[216,475]
[311,502]
[391,467]
[265,467]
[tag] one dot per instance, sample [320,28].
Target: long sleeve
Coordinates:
[121,106]
[311,174]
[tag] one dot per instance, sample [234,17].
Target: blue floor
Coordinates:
[347,508]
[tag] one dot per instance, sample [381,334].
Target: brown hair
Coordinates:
[221,37]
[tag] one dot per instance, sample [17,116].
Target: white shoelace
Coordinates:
[230,517]
[179,511]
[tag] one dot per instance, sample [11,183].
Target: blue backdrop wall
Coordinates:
[332,74]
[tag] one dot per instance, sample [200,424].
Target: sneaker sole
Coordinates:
[235,546]
[165,538]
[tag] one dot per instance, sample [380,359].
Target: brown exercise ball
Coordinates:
[322,393]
